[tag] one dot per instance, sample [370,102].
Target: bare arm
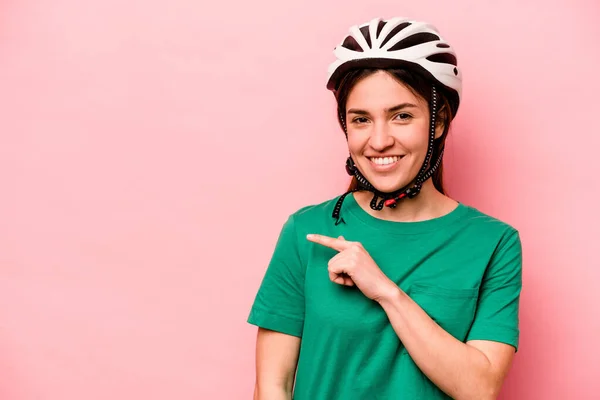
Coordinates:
[472,370]
[276,362]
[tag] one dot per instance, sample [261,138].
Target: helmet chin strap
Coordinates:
[391,199]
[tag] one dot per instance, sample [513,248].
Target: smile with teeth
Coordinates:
[384,160]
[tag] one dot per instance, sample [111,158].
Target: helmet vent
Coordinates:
[394,32]
[413,40]
[445,58]
[380,27]
[365,32]
[352,44]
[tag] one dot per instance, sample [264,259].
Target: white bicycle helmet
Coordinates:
[397,42]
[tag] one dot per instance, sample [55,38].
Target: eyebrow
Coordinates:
[387,110]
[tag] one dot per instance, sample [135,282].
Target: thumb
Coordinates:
[341,237]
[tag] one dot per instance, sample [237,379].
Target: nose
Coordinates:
[381,137]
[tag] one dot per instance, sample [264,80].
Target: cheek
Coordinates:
[355,142]
[415,140]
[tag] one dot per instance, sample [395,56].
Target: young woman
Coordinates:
[392,290]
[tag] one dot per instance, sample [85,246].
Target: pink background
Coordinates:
[134,133]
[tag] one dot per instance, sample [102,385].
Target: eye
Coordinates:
[403,116]
[360,120]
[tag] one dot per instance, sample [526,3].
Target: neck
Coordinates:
[428,204]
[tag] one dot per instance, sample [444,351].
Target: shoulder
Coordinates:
[314,214]
[482,222]
[307,219]
[485,229]
[310,219]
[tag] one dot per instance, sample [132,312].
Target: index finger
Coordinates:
[333,243]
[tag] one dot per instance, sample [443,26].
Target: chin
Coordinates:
[386,186]
[387,182]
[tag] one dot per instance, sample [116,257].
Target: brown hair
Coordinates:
[421,87]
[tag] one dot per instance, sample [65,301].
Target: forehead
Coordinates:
[380,91]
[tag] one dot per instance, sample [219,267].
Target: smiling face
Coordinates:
[388,130]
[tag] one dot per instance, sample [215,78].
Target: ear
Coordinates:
[439,123]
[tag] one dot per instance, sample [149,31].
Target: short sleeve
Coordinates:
[497,314]
[279,303]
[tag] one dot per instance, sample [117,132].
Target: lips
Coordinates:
[384,164]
